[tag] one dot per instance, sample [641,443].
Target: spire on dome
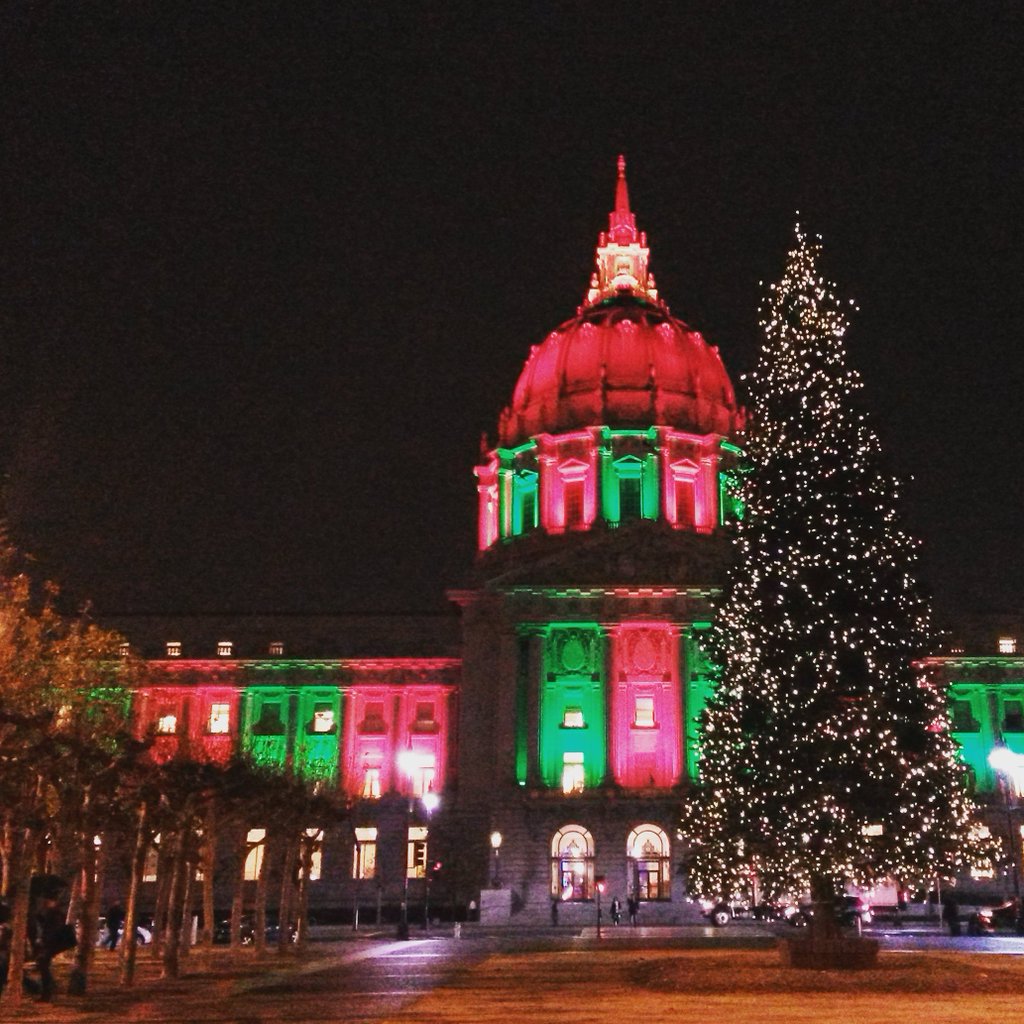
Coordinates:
[621,221]
[622,253]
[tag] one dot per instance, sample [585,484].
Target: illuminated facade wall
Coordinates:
[562,483]
[306,717]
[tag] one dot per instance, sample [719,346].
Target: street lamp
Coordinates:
[407,763]
[431,801]
[1008,766]
[496,847]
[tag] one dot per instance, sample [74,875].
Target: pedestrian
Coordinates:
[115,919]
[951,915]
[615,909]
[554,911]
[46,928]
[633,905]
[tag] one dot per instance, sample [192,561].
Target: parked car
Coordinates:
[721,912]
[143,933]
[222,931]
[848,909]
[986,920]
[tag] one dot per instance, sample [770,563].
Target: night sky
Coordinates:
[269,271]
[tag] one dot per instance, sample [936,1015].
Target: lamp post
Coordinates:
[1008,766]
[407,762]
[600,889]
[496,847]
[431,802]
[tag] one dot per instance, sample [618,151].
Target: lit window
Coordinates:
[572,773]
[277,648]
[364,854]
[643,712]
[647,851]
[573,718]
[422,775]
[574,505]
[323,718]
[173,649]
[224,648]
[220,719]
[255,839]
[124,649]
[371,784]
[1007,645]
[167,724]
[416,852]
[316,835]
[572,863]
[149,868]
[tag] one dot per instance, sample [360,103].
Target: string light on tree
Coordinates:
[826,757]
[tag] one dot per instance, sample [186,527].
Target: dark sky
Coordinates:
[268,271]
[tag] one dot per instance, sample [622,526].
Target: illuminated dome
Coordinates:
[623,361]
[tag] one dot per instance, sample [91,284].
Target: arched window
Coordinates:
[648,853]
[572,863]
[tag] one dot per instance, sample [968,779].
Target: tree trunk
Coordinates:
[262,886]
[175,910]
[238,893]
[302,897]
[284,912]
[823,899]
[91,876]
[129,944]
[164,872]
[208,862]
[21,856]
[187,899]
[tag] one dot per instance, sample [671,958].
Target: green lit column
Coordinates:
[534,682]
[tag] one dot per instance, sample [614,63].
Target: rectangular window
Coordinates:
[572,773]
[629,497]
[364,854]
[424,721]
[256,841]
[574,505]
[124,650]
[416,852]
[316,854]
[173,649]
[371,784]
[643,712]
[1013,716]
[1007,645]
[269,722]
[149,869]
[422,776]
[276,649]
[572,718]
[961,717]
[323,718]
[167,723]
[220,719]
[373,718]
[224,648]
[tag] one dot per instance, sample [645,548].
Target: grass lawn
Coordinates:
[621,986]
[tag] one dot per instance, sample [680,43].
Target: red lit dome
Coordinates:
[623,361]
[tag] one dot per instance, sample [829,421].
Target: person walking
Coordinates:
[615,909]
[115,919]
[951,915]
[633,905]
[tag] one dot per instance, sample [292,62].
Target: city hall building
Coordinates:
[509,756]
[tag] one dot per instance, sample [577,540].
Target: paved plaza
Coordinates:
[563,976]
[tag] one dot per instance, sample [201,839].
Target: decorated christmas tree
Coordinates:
[826,758]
